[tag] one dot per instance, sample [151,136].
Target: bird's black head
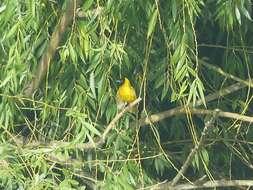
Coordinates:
[120,81]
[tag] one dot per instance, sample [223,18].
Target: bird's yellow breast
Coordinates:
[126,92]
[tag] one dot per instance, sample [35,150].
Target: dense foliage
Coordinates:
[175,52]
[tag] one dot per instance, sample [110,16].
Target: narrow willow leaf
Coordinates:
[192,72]
[205,156]
[131,179]
[2,8]
[111,111]
[13,30]
[181,74]
[80,136]
[246,13]
[174,9]
[183,88]
[95,60]
[101,88]
[160,80]
[238,15]
[32,7]
[104,104]
[173,96]
[89,154]
[165,91]
[176,56]
[90,127]
[152,23]
[86,46]
[181,62]
[192,91]
[87,4]
[39,52]
[92,84]
[196,161]
[201,91]
[72,54]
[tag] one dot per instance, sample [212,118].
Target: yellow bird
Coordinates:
[125,94]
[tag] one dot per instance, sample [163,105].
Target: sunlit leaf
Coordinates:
[92,84]
[152,23]
[238,15]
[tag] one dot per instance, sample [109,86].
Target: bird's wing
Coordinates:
[133,93]
[120,104]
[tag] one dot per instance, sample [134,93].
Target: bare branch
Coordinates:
[52,46]
[180,109]
[208,184]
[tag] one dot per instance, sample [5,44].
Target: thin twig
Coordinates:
[227,75]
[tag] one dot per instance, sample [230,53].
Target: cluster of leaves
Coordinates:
[158,46]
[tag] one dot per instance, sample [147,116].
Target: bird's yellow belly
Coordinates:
[127,95]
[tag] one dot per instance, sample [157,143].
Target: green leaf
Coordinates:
[160,80]
[238,15]
[165,91]
[195,161]
[152,23]
[89,156]
[2,8]
[87,4]
[72,54]
[102,87]
[173,96]
[92,84]
[183,88]
[192,92]
[174,9]
[32,7]
[201,91]
[5,81]
[181,62]
[90,127]
[246,13]
[181,74]
[205,156]
[12,31]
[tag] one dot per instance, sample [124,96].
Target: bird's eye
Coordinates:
[120,81]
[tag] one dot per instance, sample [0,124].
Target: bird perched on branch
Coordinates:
[125,94]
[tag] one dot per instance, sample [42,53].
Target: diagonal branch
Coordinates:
[101,140]
[48,55]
